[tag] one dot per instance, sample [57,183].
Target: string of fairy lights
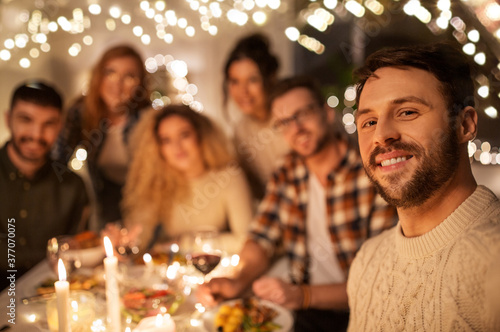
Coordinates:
[207,16]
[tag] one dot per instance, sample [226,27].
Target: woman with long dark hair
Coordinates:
[249,74]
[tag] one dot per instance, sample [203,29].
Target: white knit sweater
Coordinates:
[445,280]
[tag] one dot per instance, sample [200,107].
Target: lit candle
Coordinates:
[172,270]
[62,294]
[148,261]
[160,323]
[112,293]
[174,249]
[159,320]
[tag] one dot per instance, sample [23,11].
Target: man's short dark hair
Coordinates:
[287,84]
[37,92]
[448,64]
[335,129]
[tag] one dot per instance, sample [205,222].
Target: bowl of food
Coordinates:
[88,249]
[90,257]
[81,250]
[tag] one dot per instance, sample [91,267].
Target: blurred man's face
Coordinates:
[407,143]
[297,115]
[34,129]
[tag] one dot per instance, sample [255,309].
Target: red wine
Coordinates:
[205,263]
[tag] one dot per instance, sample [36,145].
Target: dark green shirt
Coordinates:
[34,210]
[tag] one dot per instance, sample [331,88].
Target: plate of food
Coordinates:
[138,303]
[250,314]
[76,282]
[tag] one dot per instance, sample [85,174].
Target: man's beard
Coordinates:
[435,169]
[24,139]
[320,144]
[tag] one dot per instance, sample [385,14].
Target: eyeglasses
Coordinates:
[298,117]
[127,79]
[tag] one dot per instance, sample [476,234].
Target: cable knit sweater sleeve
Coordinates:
[445,280]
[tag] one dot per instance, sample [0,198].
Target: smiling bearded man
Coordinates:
[40,196]
[434,170]
[438,269]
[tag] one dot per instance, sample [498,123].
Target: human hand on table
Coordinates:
[272,289]
[277,291]
[121,237]
[216,290]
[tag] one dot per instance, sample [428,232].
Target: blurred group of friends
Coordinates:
[387,233]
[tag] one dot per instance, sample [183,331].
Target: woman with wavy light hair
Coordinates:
[182,176]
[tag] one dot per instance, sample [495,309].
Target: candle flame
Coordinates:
[62,270]
[235,260]
[172,271]
[108,247]
[159,320]
[147,258]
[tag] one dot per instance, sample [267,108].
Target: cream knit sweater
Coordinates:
[445,280]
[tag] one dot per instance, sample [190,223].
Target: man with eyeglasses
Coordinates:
[39,198]
[318,209]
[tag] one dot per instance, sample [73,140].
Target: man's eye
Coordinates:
[408,113]
[24,119]
[369,123]
[281,124]
[185,134]
[302,113]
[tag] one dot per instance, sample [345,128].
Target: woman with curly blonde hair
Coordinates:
[182,177]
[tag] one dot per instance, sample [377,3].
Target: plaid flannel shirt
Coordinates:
[355,212]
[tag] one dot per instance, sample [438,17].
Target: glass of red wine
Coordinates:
[204,253]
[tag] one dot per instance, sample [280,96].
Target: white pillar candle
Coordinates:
[148,261]
[160,323]
[112,291]
[174,249]
[62,294]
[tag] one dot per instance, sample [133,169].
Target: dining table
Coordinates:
[19,317]
[29,311]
